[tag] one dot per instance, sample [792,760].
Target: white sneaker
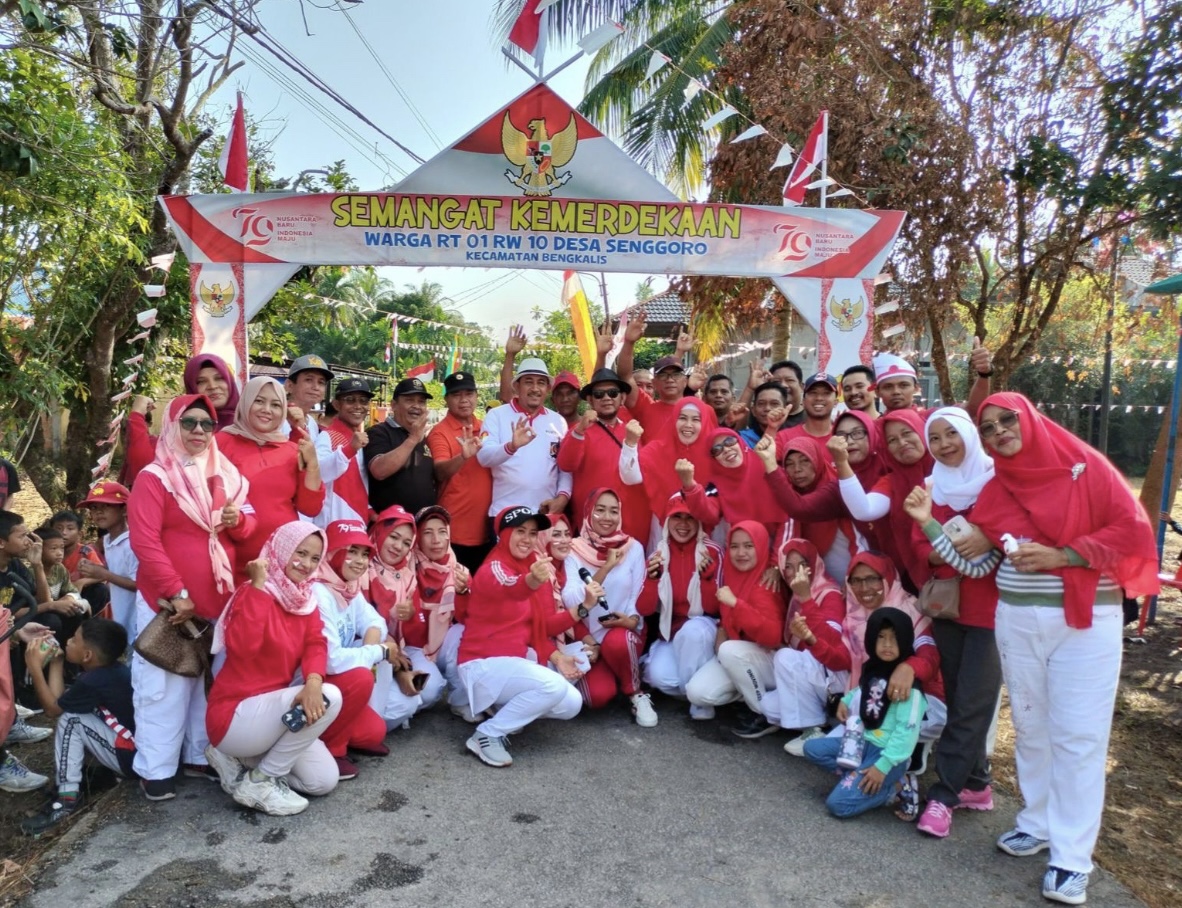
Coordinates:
[701,713]
[491,750]
[642,709]
[795,747]
[230,770]
[24,733]
[23,712]
[272,796]
[465,713]
[16,777]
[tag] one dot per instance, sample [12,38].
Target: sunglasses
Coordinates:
[191,423]
[1006,421]
[852,434]
[600,394]
[728,442]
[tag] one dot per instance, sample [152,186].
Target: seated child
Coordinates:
[65,608]
[93,590]
[96,714]
[889,730]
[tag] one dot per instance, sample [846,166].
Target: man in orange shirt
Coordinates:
[465,487]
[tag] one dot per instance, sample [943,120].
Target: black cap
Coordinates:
[422,515]
[668,362]
[353,386]
[459,381]
[516,516]
[820,378]
[602,376]
[411,386]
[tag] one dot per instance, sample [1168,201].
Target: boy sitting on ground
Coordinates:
[96,713]
[65,608]
[93,590]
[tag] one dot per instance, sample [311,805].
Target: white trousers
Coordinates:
[445,660]
[1062,684]
[258,736]
[670,664]
[77,735]
[741,669]
[169,714]
[395,707]
[803,687]
[522,691]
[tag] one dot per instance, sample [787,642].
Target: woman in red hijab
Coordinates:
[684,437]
[737,473]
[204,374]
[908,465]
[1075,537]
[804,488]
[804,681]
[752,629]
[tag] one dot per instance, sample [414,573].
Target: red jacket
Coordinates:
[593,461]
[173,551]
[277,490]
[265,645]
[682,564]
[758,618]
[502,617]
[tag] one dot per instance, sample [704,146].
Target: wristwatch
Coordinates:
[183,594]
[581,611]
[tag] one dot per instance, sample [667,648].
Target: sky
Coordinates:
[443,59]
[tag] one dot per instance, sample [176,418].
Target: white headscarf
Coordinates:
[958,487]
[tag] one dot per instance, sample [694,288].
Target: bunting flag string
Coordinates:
[1112,408]
[1168,364]
[392,316]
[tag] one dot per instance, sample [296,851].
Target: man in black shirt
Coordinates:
[397,457]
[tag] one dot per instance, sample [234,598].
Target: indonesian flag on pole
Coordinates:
[425,372]
[529,31]
[816,147]
[232,162]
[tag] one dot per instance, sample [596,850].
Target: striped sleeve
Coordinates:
[504,577]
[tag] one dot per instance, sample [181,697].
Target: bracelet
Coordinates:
[319,678]
[985,374]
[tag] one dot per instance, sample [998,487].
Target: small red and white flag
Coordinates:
[529,30]
[425,372]
[232,162]
[816,148]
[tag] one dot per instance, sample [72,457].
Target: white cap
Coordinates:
[531,366]
[887,365]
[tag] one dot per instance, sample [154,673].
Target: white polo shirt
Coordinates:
[530,475]
[121,560]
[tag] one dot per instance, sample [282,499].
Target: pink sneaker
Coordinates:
[936,820]
[976,800]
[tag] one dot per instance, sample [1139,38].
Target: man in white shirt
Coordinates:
[307,386]
[338,449]
[521,446]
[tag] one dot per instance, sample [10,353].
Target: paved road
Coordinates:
[594,812]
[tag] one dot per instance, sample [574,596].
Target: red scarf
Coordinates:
[225,416]
[589,545]
[329,574]
[742,491]
[1070,495]
[856,615]
[658,456]
[902,478]
[437,595]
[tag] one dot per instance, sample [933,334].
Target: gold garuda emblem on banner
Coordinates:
[216,300]
[846,315]
[538,154]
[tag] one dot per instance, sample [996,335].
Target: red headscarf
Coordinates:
[856,616]
[1069,494]
[820,583]
[225,415]
[902,479]
[658,456]
[441,576]
[589,545]
[742,491]
[872,468]
[543,547]
[819,533]
[741,583]
[329,573]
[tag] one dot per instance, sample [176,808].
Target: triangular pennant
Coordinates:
[692,90]
[749,133]
[600,37]
[783,157]
[724,114]
[655,63]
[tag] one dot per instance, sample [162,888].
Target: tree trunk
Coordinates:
[781,330]
[940,359]
[1151,489]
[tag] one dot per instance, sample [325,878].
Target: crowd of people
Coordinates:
[821,552]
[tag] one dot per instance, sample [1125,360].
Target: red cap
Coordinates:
[344,533]
[107,492]
[567,378]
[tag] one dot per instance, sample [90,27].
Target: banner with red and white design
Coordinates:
[845,336]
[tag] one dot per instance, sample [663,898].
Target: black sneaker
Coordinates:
[54,813]
[158,789]
[751,725]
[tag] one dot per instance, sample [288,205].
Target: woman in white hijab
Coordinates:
[964,635]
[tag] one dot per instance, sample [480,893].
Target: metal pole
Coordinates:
[1106,379]
[1168,477]
[607,313]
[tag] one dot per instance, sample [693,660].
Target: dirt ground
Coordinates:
[1140,842]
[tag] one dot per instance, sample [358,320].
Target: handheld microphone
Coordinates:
[585,576]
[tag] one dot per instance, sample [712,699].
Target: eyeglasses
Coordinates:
[191,423]
[865,581]
[1007,420]
[600,394]
[729,442]
[852,434]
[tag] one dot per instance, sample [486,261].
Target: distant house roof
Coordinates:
[663,311]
